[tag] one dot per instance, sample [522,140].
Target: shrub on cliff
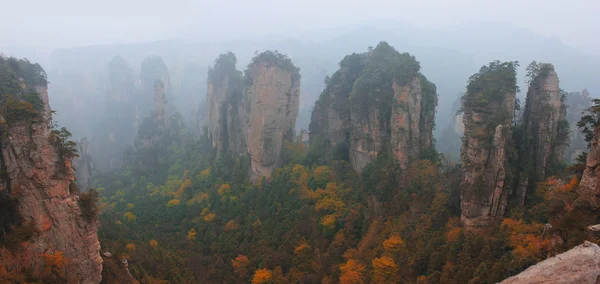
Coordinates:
[88,202]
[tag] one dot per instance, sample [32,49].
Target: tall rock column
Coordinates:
[379,102]
[488,108]
[225,107]
[589,186]
[273,97]
[37,185]
[545,128]
[161,113]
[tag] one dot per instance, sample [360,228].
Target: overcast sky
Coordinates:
[65,23]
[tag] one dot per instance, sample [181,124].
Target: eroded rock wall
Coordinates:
[273,97]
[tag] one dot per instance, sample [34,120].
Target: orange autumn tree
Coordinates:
[526,239]
[394,244]
[352,272]
[262,276]
[384,270]
[240,265]
[303,256]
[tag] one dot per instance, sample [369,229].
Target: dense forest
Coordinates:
[184,211]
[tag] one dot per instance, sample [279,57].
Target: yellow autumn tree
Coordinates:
[262,276]
[129,206]
[204,174]
[130,247]
[191,236]
[384,270]
[185,185]
[328,221]
[224,192]
[128,216]
[199,198]
[352,272]
[173,202]
[153,243]
[207,216]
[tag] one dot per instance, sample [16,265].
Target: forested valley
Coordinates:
[190,207]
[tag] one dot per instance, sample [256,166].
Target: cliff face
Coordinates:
[273,97]
[578,265]
[379,102]
[488,106]
[545,129]
[38,179]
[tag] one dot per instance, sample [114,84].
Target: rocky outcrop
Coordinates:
[253,115]
[545,129]
[488,108]
[225,108]
[38,184]
[84,166]
[589,186]
[273,96]
[377,101]
[581,265]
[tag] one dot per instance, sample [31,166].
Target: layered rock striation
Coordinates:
[42,217]
[376,102]
[488,108]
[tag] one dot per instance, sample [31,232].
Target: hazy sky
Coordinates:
[64,23]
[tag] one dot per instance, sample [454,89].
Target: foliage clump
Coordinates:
[491,84]
[384,65]
[88,202]
[19,98]
[590,121]
[273,58]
